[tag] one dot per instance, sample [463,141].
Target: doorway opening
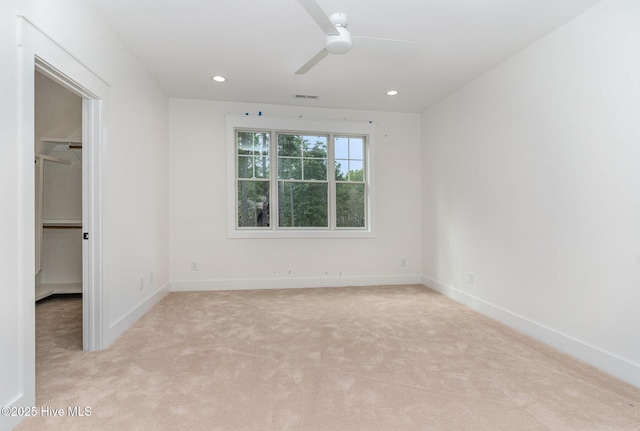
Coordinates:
[67,135]
[58,205]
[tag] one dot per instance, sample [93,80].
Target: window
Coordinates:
[303,186]
[350,182]
[300,183]
[253,179]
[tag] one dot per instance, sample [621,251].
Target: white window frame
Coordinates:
[333,128]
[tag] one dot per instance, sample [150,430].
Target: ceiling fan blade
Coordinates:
[315,60]
[319,16]
[389,45]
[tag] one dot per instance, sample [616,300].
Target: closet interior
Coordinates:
[58,189]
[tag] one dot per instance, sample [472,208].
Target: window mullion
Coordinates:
[365,178]
[331,178]
[273,179]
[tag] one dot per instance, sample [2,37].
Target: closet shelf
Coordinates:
[53,159]
[61,141]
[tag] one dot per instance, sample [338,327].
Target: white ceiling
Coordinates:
[259,44]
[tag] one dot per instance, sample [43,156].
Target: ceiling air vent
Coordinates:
[305,96]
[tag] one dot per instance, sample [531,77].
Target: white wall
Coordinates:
[531,182]
[11,380]
[136,176]
[199,213]
[135,197]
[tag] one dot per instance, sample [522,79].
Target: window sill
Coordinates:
[300,234]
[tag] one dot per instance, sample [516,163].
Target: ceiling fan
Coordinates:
[338,40]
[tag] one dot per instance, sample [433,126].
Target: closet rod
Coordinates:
[60,226]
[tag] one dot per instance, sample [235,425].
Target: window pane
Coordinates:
[341,148]
[253,154]
[253,167]
[262,144]
[245,167]
[302,204]
[289,145]
[253,203]
[315,169]
[289,169]
[315,146]
[350,205]
[349,158]
[356,172]
[245,143]
[253,143]
[356,148]
[262,166]
[342,170]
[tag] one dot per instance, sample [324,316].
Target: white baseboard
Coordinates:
[605,361]
[594,356]
[291,282]
[121,325]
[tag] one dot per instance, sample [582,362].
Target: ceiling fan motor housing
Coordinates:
[339,43]
[337,37]
[339,19]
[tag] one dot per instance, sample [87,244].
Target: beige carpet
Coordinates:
[375,358]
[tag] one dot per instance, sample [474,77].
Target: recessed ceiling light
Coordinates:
[219,78]
[392,92]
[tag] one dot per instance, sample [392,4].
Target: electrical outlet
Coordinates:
[403,261]
[141,283]
[195,266]
[471,278]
